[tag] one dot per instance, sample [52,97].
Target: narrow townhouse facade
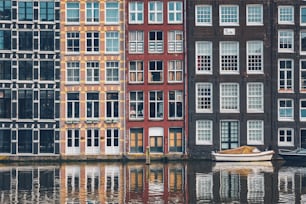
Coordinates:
[29,78]
[92,76]
[288,86]
[156,103]
[229,75]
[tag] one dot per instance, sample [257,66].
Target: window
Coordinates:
[303,75]
[175,41]
[136,183]
[92,139]
[92,106]
[175,108]
[136,42]
[112,138]
[303,42]
[73,140]
[73,72]
[112,105]
[285,109]
[92,72]
[156,71]
[73,42]
[46,70]
[254,14]
[254,57]
[285,137]
[203,15]
[285,41]
[155,12]
[5,103]
[285,75]
[73,106]
[229,130]
[111,13]
[92,42]
[46,40]
[229,97]
[255,97]
[204,97]
[156,42]
[25,138]
[25,11]
[136,140]
[175,139]
[303,15]
[25,104]
[204,130]
[229,57]
[46,11]
[112,72]
[46,141]
[285,14]
[136,105]
[175,71]
[5,69]
[112,42]
[203,57]
[5,138]
[5,10]
[175,12]
[46,104]
[229,15]
[72,12]
[255,132]
[92,12]
[303,110]
[25,70]
[156,105]
[5,40]
[135,12]
[25,40]
[156,139]
[136,71]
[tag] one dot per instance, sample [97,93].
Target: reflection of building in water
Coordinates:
[29,184]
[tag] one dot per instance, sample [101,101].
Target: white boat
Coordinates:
[244,153]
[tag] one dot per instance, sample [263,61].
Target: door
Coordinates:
[229,134]
[112,141]
[303,138]
[73,141]
[92,141]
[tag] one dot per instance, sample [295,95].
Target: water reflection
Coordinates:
[173,182]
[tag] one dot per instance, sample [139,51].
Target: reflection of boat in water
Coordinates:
[243,153]
[293,155]
[244,168]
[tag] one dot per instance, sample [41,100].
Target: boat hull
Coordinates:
[260,156]
[293,155]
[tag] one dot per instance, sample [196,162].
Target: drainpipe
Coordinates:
[185,80]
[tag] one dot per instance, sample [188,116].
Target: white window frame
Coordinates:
[203,57]
[112,37]
[139,71]
[93,38]
[255,97]
[254,14]
[74,68]
[136,41]
[73,36]
[175,71]
[285,71]
[178,99]
[91,68]
[302,9]
[137,114]
[286,15]
[234,21]
[229,98]
[116,19]
[203,15]
[158,103]
[73,110]
[204,98]
[137,11]
[156,45]
[255,132]
[302,36]
[229,50]
[286,38]
[285,108]
[156,12]
[255,57]
[92,102]
[156,69]
[78,9]
[92,10]
[175,41]
[176,12]
[204,132]
[112,67]
[285,142]
[113,103]
[303,76]
[302,109]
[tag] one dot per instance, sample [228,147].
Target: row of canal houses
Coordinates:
[112,79]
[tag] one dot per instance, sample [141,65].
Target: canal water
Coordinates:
[136,182]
